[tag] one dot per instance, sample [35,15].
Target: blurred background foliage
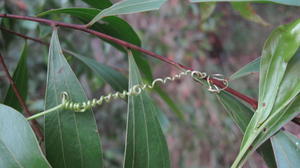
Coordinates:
[209,37]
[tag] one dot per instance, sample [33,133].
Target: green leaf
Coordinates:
[19,147]
[174,107]
[280,47]
[285,2]
[206,10]
[246,11]
[127,7]
[286,149]
[270,127]
[241,115]
[163,119]
[279,117]
[119,82]
[100,4]
[20,77]
[250,68]
[6,37]
[279,86]
[115,79]
[145,143]
[71,138]
[112,26]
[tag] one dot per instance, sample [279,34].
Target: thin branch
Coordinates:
[34,124]
[83,28]
[296,120]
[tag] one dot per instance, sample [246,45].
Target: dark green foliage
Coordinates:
[20,78]
[145,142]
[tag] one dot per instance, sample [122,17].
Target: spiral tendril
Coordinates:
[137,89]
[67,104]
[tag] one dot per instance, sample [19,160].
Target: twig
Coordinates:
[296,120]
[83,28]
[34,124]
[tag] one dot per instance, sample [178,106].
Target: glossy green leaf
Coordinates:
[20,77]
[71,138]
[127,7]
[163,119]
[241,115]
[114,78]
[145,143]
[119,82]
[19,147]
[167,99]
[112,26]
[250,68]
[273,123]
[206,10]
[286,149]
[285,2]
[99,4]
[280,47]
[246,11]
[279,85]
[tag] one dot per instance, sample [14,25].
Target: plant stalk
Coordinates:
[83,28]
[295,120]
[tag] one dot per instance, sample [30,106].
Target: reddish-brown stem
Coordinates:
[34,124]
[296,120]
[219,83]
[83,28]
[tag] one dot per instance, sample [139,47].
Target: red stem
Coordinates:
[220,84]
[83,28]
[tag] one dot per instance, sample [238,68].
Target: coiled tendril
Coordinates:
[137,89]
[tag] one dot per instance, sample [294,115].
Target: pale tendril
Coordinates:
[67,104]
[139,88]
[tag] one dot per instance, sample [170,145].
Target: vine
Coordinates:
[133,91]
[214,80]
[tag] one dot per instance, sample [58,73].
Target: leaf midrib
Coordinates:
[74,116]
[57,112]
